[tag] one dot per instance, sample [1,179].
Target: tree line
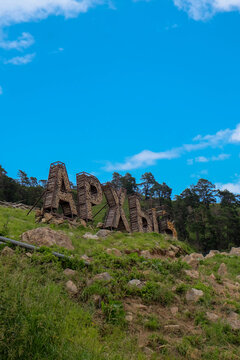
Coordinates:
[204,216]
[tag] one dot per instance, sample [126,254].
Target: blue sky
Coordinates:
[122,86]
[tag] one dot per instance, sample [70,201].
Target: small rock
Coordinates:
[135,282]
[146,254]
[172,328]
[129,317]
[100,225]
[224,253]
[211,254]
[83,222]
[7,251]
[170,253]
[86,259]
[193,259]
[97,300]
[57,221]
[103,276]
[103,233]
[212,277]
[211,316]
[90,236]
[235,251]
[114,251]
[222,269]
[175,249]
[233,321]
[194,295]
[69,272]
[28,254]
[174,310]
[71,287]
[48,216]
[192,274]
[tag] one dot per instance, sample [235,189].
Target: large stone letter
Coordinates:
[116,218]
[58,192]
[89,193]
[153,216]
[165,224]
[139,219]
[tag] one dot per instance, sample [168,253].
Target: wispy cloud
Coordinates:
[149,158]
[21,60]
[22,42]
[203,9]
[204,159]
[15,11]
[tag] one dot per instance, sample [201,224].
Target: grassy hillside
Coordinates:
[111,319]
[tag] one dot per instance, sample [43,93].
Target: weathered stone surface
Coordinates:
[135,282]
[7,251]
[114,251]
[233,320]
[174,310]
[100,225]
[235,251]
[86,259]
[83,222]
[48,216]
[193,259]
[47,237]
[57,221]
[103,233]
[146,254]
[212,277]
[211,254]
[222,269]
[71,287]
[194,295]
[211,316]
[129,317]
[69,272]
[103,276]
[192,274]
[90,236]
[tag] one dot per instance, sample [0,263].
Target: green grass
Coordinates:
[39,319]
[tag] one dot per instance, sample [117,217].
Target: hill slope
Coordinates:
[132,298]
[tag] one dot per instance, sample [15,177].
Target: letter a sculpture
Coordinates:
[58,192]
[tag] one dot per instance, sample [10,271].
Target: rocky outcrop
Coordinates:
[47,237]
[193,295]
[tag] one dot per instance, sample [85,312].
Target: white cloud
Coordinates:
[232,187]
[16,11]
[144,158]
[23,42]
[21,60]
[148,158]
[203,9]
[1,90]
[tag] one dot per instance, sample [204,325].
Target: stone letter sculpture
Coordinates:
[139,219]
[116,218]
[89,193]
[58,191]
